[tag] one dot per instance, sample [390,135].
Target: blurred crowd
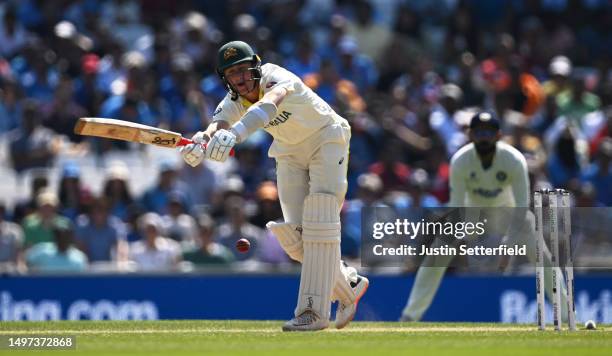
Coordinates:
[408,75]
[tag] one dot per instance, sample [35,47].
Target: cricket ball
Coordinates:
[243,245]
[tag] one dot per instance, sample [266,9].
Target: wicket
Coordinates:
[555,227]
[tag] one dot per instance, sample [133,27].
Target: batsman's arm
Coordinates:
[259,114]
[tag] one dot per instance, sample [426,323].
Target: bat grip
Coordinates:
[185,141]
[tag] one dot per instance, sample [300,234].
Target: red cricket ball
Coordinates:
[243,245]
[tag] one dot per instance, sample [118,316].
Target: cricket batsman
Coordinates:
[310,147]
[484,173]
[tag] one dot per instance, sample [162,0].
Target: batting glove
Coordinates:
[220,145]
[194,153]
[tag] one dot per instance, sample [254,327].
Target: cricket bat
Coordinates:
[130,131]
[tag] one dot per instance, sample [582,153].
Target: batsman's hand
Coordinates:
[220,145]
[194,153]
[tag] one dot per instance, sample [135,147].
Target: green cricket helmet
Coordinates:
[233,53]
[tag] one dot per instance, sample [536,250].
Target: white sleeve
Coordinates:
[280,78]
[520,181]
[457,182]
[227,111]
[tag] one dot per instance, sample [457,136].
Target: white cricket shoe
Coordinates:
[346,312]
[307,321]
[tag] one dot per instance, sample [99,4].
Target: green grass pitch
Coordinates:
[265,338]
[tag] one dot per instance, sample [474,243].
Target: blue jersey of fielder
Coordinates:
[504,184]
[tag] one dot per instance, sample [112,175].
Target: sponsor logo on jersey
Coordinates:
[271,84]
[486,192]
[218,111]
[229,53]
[501,176]
[280,119]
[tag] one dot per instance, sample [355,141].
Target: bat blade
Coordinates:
[128,131]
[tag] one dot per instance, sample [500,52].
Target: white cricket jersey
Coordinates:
[300,114]
[504,184]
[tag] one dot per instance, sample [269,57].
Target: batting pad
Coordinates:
[321,241]
[290,238]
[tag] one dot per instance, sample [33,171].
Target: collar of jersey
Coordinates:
[247,104]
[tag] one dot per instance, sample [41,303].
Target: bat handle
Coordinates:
[185,141]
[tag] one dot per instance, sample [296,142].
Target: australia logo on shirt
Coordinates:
[280,119]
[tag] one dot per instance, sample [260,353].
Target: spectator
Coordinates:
[178,225]
[156,198]
[415,134]
[574,104]
[251,167]
[181,95]
[123,20]
[268,204]
[208,252]
[86,91]
[100,235]
[599,174]
[62,113]
[32,145]
[131,223]
[10,106]
[23,208]
[419,196]
[604,131]
[12,33]
[194,38]
[371,37]
[127,102]
[365,137]
[59,255]
[70,45]
[154,252]
[111,73]
[522,139]
[38,226]
[116,189]
[520,92]
[305,60]
[369,194]
[442,118]
[244,27]
[74,197]
[337,31]
[40,77]
[232,186]
[355,66]
[391,170]
[203,183]
[11,243]
[564,164]
[560,69]
[238,227]
[340,93]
